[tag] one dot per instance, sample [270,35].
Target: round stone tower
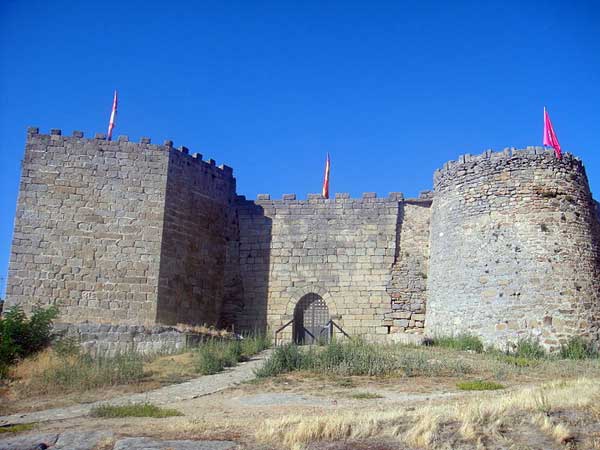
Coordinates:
[515,249]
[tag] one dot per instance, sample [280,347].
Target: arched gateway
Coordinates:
[311,317]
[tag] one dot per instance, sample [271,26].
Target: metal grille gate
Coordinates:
[311,319]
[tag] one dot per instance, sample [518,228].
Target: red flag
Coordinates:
[113,117]
[326,180]
[550,138]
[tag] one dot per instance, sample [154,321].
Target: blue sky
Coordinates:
[391,89]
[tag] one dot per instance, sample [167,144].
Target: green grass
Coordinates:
[358,358]
[133,410]
[479,385]
[578,348]
[517,361]
[463,342]
[286,358]
[19,428]
[215,355]
[365,395]
[529,349]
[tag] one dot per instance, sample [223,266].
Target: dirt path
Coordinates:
[199,387]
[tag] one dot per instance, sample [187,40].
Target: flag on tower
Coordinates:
[113,117]
[550,138]
[326,180]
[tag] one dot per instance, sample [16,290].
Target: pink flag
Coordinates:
[113,117]
[325,192]
[550,138]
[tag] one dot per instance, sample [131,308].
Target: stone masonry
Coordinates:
[341,249]
[98,228]
[515,249]
[129,237]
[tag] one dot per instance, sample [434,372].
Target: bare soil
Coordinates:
[238,413]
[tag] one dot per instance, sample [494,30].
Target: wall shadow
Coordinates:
[247,277]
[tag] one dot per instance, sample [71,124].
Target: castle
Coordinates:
[127,235]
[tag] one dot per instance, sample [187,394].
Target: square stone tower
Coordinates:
[120,232]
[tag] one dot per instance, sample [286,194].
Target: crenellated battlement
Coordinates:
[339,197]
[499,160]
[144,143]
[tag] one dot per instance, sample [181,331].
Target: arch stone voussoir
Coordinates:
[296,293]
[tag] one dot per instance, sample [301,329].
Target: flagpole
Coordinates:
[113,117]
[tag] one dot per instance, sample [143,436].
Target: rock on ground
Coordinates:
[89,440]
[151,444]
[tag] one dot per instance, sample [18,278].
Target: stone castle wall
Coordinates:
[88,228]
[125,233]
[341,249]
[408,286]
[119,232]
[514,250]
[197,229]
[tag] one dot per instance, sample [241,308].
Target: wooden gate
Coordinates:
[311,319]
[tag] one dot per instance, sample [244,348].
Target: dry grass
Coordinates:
[24,392]
[477,418]
[558,431]
[170,369]
[203,329]
[40,362]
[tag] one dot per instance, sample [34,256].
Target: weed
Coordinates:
[478,385]
[518,361]
[365,395]
[254,343]
[461,342]
[286,358]
[215,355]
[133,410]
[232,353]
[208,361]
[578,348]
[356,358]
[529,349]
[82,373]
[66,346]
[18,428]
[345,383]
[542,403]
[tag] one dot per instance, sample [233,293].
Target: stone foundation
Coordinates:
[110,340]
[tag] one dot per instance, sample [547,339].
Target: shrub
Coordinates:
[20,336]
[460,342]
[209,361]
[529,349]
[354,357]
[254,343]
[232,353]
[286,358]
[358,358]
[479,385]
[215,355]
[133,410]
[578,348]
